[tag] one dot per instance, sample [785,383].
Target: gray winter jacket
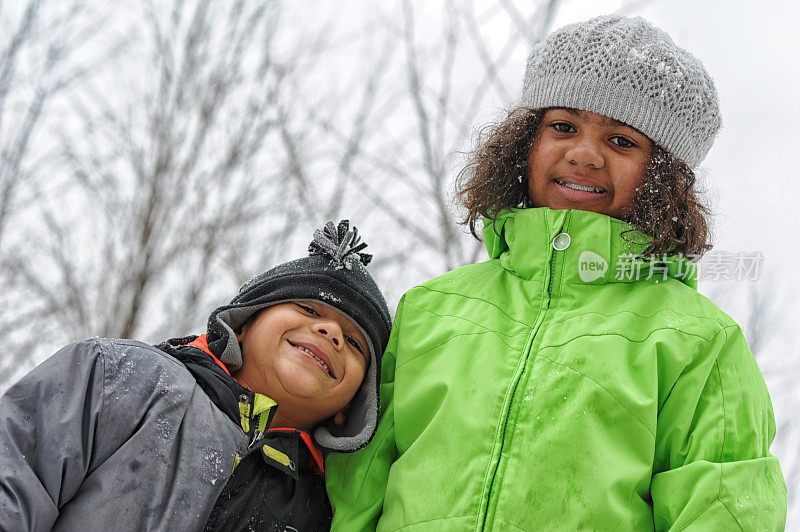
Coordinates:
[68,462]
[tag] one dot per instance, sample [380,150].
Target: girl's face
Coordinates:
[587,161]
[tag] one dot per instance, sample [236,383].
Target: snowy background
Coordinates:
[156,154]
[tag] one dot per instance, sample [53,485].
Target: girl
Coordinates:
[577,379]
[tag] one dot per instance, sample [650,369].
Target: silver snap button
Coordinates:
[561,241]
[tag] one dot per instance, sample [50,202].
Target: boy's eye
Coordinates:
[308,309]
[622,142]
[563,127]
[352,341]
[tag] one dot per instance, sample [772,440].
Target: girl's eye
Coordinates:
[352,341]
[622,142]
[563,127]
[308,309]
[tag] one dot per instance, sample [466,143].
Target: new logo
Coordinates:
[591,266]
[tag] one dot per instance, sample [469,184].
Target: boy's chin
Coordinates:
[304,384]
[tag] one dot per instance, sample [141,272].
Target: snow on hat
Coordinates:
[333,274]
[629,70]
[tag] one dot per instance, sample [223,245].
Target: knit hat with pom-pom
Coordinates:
[334,274]
[627,69]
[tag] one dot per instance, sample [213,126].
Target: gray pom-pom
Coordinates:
[339,243]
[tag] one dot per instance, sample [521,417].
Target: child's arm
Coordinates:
[714,433]
[49,422]
[356,482]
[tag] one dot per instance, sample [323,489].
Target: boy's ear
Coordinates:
[341,416]
[239,335]
[239,331]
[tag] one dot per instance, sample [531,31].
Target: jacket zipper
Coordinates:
[248,422]
[258,422]
[257,435]
[552,272]
[484,507]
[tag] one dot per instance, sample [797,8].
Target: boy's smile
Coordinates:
[317,355]
[308,357]
[587,161]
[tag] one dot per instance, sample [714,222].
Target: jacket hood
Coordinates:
[598,249]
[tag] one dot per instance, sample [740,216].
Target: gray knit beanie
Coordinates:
[629,70]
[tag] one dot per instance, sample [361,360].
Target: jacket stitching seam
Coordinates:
[501,310]
[453,337]
[486,329]
[645,316]
[709,505]
[701,512]
[724,439]
[623,336]
[103,408]
[658,277]
[432,520]
[510,524]
[604,388]
[724,418]
[727,508]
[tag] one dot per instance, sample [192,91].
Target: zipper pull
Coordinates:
[257,435]
[244,412]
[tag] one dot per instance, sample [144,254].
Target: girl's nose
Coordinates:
[585,153]
[331,330]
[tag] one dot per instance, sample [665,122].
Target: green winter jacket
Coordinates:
[550,390]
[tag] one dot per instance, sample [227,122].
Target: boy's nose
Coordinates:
[331,330]
[585,153]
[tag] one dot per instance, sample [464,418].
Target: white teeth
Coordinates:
[306,350]
[573,186]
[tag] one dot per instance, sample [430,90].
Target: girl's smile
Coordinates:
[587,161]
[576,188]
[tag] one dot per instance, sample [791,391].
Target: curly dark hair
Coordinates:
[666,206]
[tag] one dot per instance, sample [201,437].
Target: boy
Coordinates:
[211,431]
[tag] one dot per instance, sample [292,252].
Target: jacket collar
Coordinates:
[599,249]
[226,392]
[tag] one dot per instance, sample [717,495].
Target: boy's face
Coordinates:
[308,357]
[586,161]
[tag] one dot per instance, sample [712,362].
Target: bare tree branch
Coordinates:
[56,46]
[171,185]
[359,129]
